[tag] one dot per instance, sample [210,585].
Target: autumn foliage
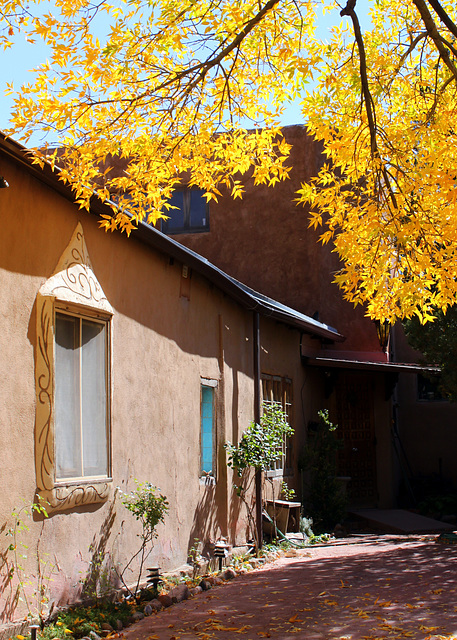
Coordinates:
[180,88]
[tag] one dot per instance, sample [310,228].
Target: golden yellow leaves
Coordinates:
[391,213]
[215,624]
[173,88]
[145,86]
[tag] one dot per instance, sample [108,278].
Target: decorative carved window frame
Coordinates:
[73,285]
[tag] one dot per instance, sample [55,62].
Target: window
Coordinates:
[191,214]
[207,432]
[428,388]
[277,389]
[73,384]
[81,397]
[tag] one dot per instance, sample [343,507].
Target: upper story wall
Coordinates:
[264,241]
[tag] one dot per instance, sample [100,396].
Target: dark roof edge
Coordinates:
[248,298]
[382,367]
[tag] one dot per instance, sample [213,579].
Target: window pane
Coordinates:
[207,429]
[198,210]
[176,216]
[428,388]
[279,390]
[93,399]
[67,394]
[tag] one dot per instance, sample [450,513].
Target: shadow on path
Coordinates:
[390,590]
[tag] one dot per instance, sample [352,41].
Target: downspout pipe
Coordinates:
[257,410]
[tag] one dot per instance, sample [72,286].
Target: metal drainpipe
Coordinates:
[258,472]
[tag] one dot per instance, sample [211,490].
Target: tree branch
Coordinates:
[444,17]
[433,32]
[349,11]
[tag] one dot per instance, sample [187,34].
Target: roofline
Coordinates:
[246,297]
[366,365]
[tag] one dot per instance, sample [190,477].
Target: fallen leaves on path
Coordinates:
[389,598]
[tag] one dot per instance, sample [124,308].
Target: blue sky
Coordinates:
[23,56]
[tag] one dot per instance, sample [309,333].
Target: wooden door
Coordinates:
[355,419]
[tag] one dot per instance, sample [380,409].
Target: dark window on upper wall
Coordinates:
[191,214]
[428,389]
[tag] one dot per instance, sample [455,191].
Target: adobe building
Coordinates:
[125,359]
[391,433]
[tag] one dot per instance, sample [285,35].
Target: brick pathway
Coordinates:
[381,587]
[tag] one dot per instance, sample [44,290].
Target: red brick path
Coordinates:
[385,587]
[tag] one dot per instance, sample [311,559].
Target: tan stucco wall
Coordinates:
[163,343]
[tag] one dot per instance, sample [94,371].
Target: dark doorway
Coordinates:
[355,419]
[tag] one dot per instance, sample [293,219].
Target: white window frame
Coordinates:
[105,322]
[74,289]
[278,389]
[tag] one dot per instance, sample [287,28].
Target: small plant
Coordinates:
[33,589]
[242,562]
[306,526]
[149,507]
[80,622]
[275,549]
[286,493]
[195,557]
[261,445]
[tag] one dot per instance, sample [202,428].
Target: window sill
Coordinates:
[208,481]
[64,496]
[274,473]
[88,480]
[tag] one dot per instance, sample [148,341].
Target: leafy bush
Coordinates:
[262,443]
[149,507]
[78,622]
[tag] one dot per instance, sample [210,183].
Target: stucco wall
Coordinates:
[264,240]
[163,344]
[427,428]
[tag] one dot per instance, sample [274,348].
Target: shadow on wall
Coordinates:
[209,520]
[102,575]
[9,593]
[210,517]
[206,519]
[242,509]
